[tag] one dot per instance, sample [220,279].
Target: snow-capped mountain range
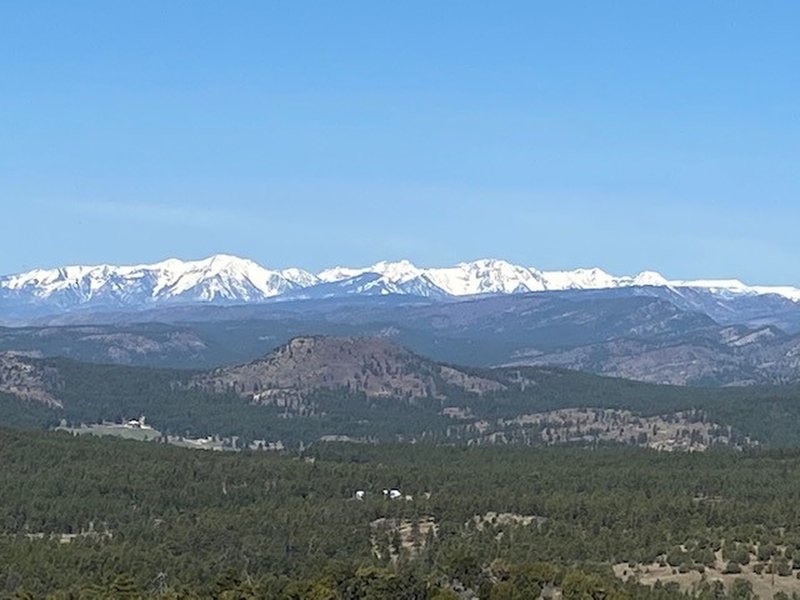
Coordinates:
[231,280]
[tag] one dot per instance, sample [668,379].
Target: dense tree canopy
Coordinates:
[119,518]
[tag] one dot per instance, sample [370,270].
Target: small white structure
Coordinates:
[395,494]
[360,494]
[137,423]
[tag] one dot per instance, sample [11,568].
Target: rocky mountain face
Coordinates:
[375,367]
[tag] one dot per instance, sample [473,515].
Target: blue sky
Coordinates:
[627,135]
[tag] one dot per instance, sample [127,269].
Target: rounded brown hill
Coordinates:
[374,366]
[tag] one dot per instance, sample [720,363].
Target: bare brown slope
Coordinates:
[374,366]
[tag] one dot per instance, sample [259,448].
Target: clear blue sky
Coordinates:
[627,135]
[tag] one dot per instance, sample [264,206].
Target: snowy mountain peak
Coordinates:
[650,278]
[230,279]
[299,277]
[217,278]
[396,272]
[388,273]
[487,276]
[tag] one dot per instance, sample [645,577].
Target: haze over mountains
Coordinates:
[223,279]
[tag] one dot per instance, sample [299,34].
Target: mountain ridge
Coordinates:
[226,279]
[640,336]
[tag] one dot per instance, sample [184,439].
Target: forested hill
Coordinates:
[374,366]
[451,404]
[106,518]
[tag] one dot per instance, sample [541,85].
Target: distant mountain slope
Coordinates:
[226,280]
[148,344]
[619,332]
[730,356]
